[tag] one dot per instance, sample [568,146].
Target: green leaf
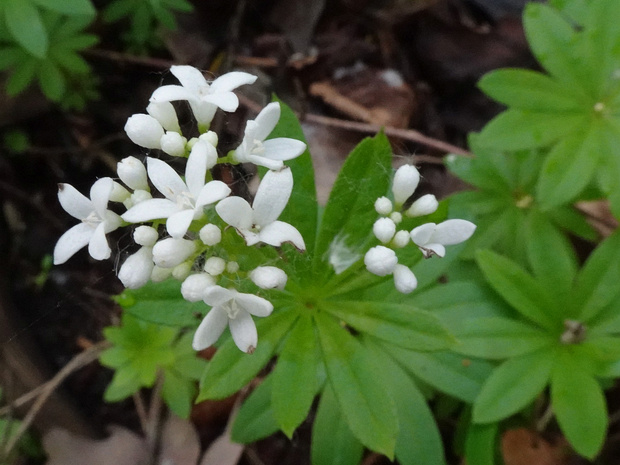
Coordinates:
[517,129]
[369,411]
[401,325]
[178,393]
[24,23]
[22,77]
[295,376]
[551,255]
[68,7]
[569,167]
[579,405]
[255,419]
[51,81]
[162,303]
[478,173]
[513,385]
[498,338]
[124,383]
[450,373]
[598,283]
[230,369]
[333,443]
[349,214]
[518,288]
[480,444]
[117,10]
[529,90]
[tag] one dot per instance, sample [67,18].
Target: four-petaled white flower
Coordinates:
[234,309]
[431,238]
[184,200]
[203,98]
[258,223]
[268,153]
[96,219]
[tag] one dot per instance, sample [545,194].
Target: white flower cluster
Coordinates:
[171,221]
[430,238]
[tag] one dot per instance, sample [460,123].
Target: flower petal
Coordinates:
[100,195]
[258,160]
[232,80]
[433,249]
[211,193]
[218,295]
[283,148]
[165,179]
[279,232]
[254,304]
[227,101]
[74,202]
[236,212]
[72,241]
[196,168]
[165,113]
[178,223]
[243,331]
[453,232]
[172,93]
[151,209]
[272,196]
[405,182]
[267,120]
[210,329]
[189,77]
[203,111]
[137,268]
[144,130]
[422,234]
[98,247]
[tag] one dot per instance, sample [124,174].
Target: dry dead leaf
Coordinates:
[180,442]
[223,452]
[524,447]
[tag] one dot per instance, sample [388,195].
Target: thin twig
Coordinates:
[141,410]
[154,417]
[77,362]
[545,418]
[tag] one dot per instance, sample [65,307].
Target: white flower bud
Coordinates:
[384,229]
[210,234]
[140,196]
[405,182]
[137,269]
[396,217]
[119,193]
[380,260]
[133,173]
[425,205]
[171,252]
[173,144]
[404,279]
[232,267]
[145,235]
[383,206]
[215,266]
[182,271]
[210,137]
[269,277]
[160,274]
[165,114]
[144,130]
[194,286]
[401,239]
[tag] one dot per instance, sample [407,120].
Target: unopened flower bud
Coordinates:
[173,144]
[401,239]
[404,279]
[194,286]
[160,274]
[215,266]
[182,271]
[269,277]
[145,235]
[140,196]
[165,114]
[210,137]
[425,205]
[383,206]
[380,260]
[405,182]
[144,130]
[119,193]
[133,173]
[210,234]
[384,229]
[171,252]
[396,217]
[137,269]
[232,267]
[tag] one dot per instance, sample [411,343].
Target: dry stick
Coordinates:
[141,410]
[45,391]
[153,418]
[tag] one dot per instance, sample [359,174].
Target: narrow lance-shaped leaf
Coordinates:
[24,23]
[480,444]
[255,419]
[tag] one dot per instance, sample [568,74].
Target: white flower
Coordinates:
[173,144]
[210,234]
[215,266]
[269,153]
[145,235]
[380,260]
[203,98]
[269,277]
[171,252]
[165,113]
[96,219]
[383,206]
[144,130]
[431,238]
[405,182]
[234,309]
[258,223]
[137,269]
[404,279]
[195,285]
[401,239]
[133,173]
[184,200]
[384,229]
[425,205]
